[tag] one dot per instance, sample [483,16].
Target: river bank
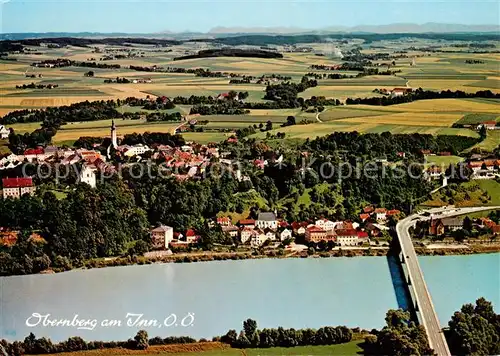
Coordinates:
[208,256]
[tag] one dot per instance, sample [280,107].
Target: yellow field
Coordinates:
[440,105]
[407,119]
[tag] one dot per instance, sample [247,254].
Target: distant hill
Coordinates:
[390,28]
[216,32]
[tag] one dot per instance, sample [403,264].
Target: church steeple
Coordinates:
[113,134]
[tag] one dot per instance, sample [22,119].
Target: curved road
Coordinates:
[426,309]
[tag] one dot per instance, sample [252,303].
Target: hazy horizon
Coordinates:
[205,16]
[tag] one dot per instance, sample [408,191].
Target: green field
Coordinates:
[474,193]
[56,92]
[342,112]
[474,119]
[442,161]
[206,137]
[491,142]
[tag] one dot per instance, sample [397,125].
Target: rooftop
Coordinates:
[17,182]
[267,216]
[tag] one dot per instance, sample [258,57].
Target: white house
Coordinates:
[285,234]
[326,224]
[4,132]
[258,239]
[347,237]
[246,234]
[267,221]
[87,175]
[380,213]
[162,236]
[271,235]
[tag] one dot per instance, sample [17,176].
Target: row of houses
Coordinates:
[439,227]
[267,227]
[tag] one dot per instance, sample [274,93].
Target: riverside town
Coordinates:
[278,179]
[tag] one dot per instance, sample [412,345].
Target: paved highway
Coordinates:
[428,314]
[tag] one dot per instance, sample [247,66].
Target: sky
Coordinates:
[151,16]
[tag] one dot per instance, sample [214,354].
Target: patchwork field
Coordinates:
[435,71]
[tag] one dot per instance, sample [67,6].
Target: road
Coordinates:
[428,314]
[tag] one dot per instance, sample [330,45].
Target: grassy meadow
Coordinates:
[348,349]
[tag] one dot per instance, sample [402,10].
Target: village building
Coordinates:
[88,175]
[363,237]
[192,236]
[258,239]
[380,214]
[315,234]
[162,236]
[347,237]
[489,125]
[246,234]
[266,220]
[16,187]
[326,224]
[114,140]
[4,132]
[230,230]
[224,221]
[285,234]
[400,91]
[247,223]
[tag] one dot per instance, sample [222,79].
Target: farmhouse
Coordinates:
[490,125]
[400,91]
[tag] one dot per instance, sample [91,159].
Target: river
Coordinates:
[276,292]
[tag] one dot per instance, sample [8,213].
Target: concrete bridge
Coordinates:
[419,293]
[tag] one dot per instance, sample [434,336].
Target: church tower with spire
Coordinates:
[113,134]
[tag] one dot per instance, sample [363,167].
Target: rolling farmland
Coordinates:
[436,71]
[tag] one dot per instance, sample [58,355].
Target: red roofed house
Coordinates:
[362,236]
[393,212]
[315,234]
[364,217]
[380,213]
[400,91]
[347,237]
[490,125]
[15,187]
[34,154]
[191,236]
[226,96]
[250,223]
[224,221]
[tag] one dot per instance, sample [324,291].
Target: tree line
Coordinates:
[421,94]
[473,330]
[62,62]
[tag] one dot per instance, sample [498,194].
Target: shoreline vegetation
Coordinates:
[210,256]
[474,329]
